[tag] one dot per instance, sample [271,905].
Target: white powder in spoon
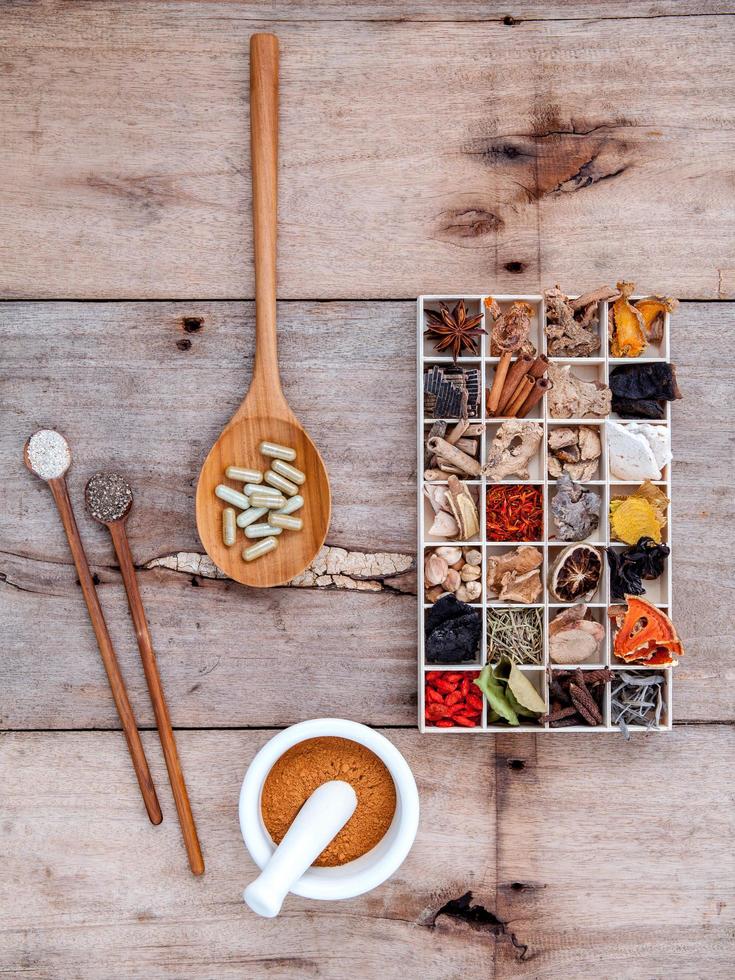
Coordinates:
[48,454]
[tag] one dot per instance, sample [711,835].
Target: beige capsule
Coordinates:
[286,522]
[275,451]
[231,496]
[259,548]
[242,475]
[272,500]
[290,472]
[261,531]
[229,526]
[281,483]
[292,505]
[248,517]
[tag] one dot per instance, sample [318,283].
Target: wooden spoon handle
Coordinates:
[264,163]
[155,688]
[107,651]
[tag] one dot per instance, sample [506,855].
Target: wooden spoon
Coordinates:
[264,414]
[109,499]
[55,476]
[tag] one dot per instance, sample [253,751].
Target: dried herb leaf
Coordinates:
[494,690]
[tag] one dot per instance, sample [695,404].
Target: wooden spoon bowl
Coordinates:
[264,416]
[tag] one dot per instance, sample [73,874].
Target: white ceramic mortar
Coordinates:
[368,871]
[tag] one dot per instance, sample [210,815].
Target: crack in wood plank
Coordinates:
[335,568]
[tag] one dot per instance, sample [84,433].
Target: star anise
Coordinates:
[454,330]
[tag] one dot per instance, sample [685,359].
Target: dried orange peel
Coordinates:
[627,325]
[653,309]
[646,634]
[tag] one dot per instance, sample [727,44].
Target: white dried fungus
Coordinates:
[638,451]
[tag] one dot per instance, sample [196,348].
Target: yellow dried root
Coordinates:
[653,309]
[627,336]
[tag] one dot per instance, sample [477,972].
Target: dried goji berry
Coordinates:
[474,702]
[444,686]
[453,677]
[453,698]
[444,724]
[465,686]
[434,711]
[464,720]
[433,697]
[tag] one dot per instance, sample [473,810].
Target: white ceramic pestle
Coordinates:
[318,821]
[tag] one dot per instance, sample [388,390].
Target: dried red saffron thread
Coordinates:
[515,512]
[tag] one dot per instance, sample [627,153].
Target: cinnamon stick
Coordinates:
[524,390]
[539,367]
[541,386]
[519,369]
[498,381]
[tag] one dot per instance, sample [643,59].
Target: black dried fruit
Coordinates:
[644,560]
[452,631]
[642,390]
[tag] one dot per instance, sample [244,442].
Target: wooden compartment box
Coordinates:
[658,591]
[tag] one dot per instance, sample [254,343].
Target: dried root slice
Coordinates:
[653,309]
[627,336]
[463,508]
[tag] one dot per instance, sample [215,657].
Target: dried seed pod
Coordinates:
[450,554]
[452,582]
[470,573]
[435,569]
[472,556]
[469,592]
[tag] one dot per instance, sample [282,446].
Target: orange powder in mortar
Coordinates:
[306,766]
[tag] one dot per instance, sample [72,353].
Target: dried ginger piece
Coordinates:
[516,563]
[627,336]
[572,397]
[653,309]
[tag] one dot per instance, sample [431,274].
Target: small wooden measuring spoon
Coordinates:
[264,415]
[109,498]
[47,455]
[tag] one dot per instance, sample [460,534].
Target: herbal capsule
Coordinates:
[247,517]
[243,475]
[259,548]
[273,501]
[255,488]
[229,527]
[292,505]
[261,530]
[290,472]
[281,483]
[277,452]
[232,496]
[284,521]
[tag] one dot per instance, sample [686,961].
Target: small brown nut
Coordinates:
[472,556]
[458,565]
[470,573]
[434,593]
[452,582]
[435,570]
[469,592]
[449,554]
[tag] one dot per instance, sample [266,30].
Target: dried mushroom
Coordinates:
[576,511]
[640,391]
[572,325]
[572,398]
[576,450]
[575,574]
[627,336]
[573,639]
[631,566]
[515,443]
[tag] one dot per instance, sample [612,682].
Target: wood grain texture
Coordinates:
[649,905]
[153,421]
[416,156]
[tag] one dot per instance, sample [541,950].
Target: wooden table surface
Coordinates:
[426,147]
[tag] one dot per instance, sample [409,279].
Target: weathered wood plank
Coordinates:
[112,375]
[90,889]
[415,157]
[610,888]
[614,859]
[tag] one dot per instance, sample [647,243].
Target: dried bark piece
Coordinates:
[567,334]
[515,443]
[571,397]
[626,327]
[576,511]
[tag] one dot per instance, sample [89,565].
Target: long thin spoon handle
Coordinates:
[264,163]
[155,688]
[107,651]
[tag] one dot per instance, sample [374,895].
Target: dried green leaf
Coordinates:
[494,689]
[529,701]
